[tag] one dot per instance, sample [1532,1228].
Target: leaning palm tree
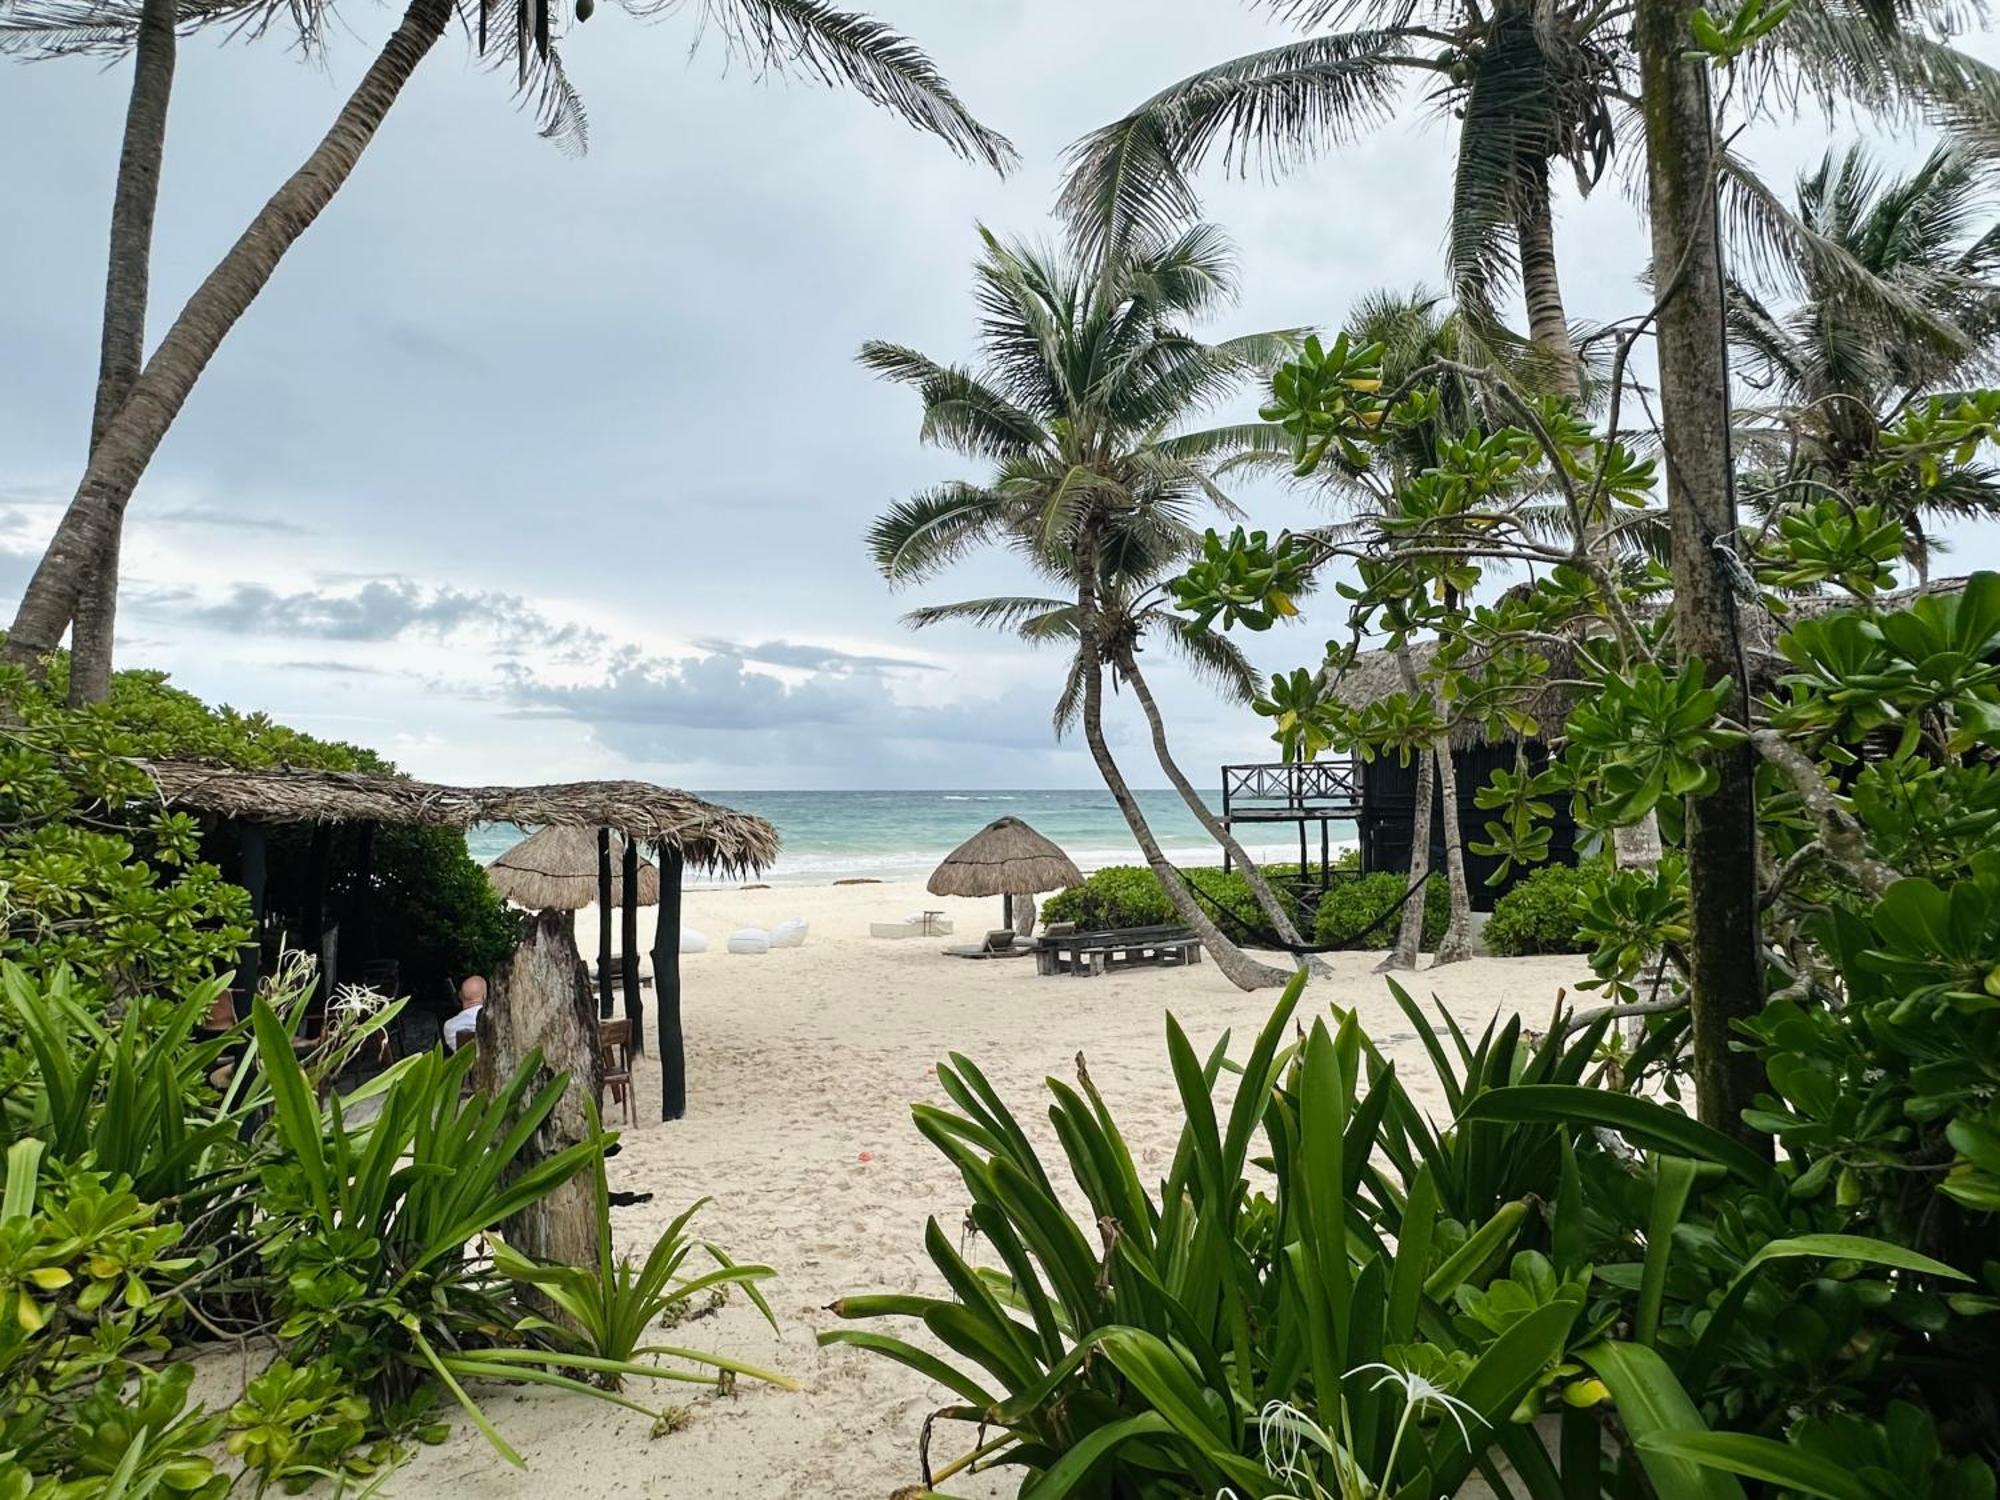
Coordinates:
[1088,374]
[1531,84]
[1832,368]
[803,36]
[1133,608]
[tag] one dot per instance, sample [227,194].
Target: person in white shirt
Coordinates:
[460,1028]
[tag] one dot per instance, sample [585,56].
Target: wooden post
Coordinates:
[604,923]
[360,944]
[1007,909]
[540,1002]
[628,947]
[312,909]
[667,987]
[253,847]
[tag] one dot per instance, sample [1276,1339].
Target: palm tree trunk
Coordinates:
[1241,970]
[1267,900]
[1410,932]
[122,349]
[90,527]
[1456,945]
[1637,847]
[1548,321]
[1725,950]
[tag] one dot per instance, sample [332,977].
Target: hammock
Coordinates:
[1262,936]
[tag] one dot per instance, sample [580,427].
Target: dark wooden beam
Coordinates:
[358,942]
[667,987]
[628,946]
[604,924]
[312,908]
[253,849]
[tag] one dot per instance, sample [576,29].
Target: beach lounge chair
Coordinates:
[1002,942]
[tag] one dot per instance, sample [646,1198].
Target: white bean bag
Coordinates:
[692,941]
[789,934]
[750,940]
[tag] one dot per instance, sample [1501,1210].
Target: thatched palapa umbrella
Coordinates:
[557,868]
[1006,858]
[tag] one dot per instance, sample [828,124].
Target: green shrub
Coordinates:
[1116,896]
[1347,911]
[1541,913]
[1131,896]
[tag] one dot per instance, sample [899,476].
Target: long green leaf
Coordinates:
[1651,1404]
[1769,1460]
[1708,1347]
[296,1115]
[1638,1120]
[1673,1180]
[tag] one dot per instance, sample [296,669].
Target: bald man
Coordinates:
[460,1028]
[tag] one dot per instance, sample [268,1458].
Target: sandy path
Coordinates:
[802,1068]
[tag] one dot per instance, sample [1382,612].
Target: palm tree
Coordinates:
[1532,83]
[1836,367]
[808,36]
[1417,329]
[1088,371]
[1133,606]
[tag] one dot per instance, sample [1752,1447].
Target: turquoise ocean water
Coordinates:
[902,835]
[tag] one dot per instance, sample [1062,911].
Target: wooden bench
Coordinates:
[1090,953]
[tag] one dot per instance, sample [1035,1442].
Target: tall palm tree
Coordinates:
[1531,83]
[808,36]
[1832,368]
[1088,373]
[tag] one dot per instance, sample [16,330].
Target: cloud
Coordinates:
[232,520]
[332,668]
[389,609]
[810,658]
[718,707]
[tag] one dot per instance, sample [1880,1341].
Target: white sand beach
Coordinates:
[802,1067]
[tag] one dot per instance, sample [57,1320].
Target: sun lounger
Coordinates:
[1000,943]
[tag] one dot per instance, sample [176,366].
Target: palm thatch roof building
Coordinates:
[682,830]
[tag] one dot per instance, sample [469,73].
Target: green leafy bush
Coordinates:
[1115,896]
[1131,896]
[1349,914]
[1141,1366]
[1543,913]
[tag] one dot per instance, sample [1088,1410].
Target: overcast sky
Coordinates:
[531,467]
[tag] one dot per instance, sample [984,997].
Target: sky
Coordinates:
[534,467]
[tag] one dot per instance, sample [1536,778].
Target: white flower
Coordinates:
[355,1003]
[1419,1391]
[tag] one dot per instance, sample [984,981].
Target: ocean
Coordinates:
[902,835]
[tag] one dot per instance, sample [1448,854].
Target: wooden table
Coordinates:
[1091,953]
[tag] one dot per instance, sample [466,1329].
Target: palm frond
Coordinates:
[108,28]
[1213,658]
[1129,183]
[840,48]
[1023,613]
[917,537]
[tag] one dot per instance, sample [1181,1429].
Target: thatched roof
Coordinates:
[1005,858]
[1375,675]
[709,837]
[555,869]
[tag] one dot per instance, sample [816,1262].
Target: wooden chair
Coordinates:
[615,1037]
